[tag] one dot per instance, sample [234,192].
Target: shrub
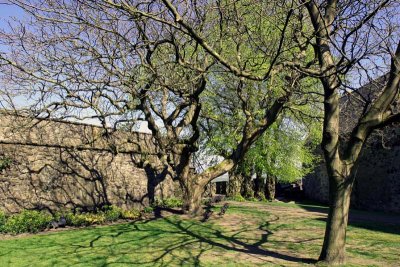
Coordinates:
[173,203]
[75,219]
[112,213]
[254,199]
[85,219]
[238,198]
[168,203]
[35,221]
[148,210]
[131,214]
[94,218]
[206,201]
[3,219]
[27,222]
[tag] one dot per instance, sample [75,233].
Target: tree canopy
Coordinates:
[232,68]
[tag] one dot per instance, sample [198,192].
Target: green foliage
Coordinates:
[93,218]
[76,219]
[190,237]
[169,203]
[86,219]
[34,221]
[3,219]
[112,213]
[254,199]
[230,104]
[281,152]
[5,163]
[131,214]
[238,198]
[173,202]
[27,222]
[148,210]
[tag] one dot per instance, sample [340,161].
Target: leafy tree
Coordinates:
[353,41]
[124,62]
[281,154]
[284,151]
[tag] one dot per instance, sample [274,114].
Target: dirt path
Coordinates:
[285,240]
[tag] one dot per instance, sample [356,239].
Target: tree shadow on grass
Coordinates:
[370,220]
[173,241]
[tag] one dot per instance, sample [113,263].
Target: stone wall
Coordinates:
[56,165]
[377,185]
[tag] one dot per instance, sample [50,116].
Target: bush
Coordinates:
[27,222]
[238,198]
[148,210]
[173,203]
[3,219]
[169,203]
[85,219]
[253,199]
[94,218]
[34,221]
[112,213]
[131,214]
[75,219]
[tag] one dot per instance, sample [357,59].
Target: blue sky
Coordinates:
[7,11]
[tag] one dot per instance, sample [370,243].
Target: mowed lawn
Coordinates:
[249,234]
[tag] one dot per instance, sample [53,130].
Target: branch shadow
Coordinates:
[369,220]
[179,242]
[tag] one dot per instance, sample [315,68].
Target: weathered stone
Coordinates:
[59,165]
[377,184]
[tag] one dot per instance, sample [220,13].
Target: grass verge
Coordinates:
[247,235]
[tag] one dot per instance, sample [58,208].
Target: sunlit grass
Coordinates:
[244,236]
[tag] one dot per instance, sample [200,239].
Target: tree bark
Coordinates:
[247,187]
[270,186]
[259,186]
[192,200]
[154,177]
[333,249]
[234,184]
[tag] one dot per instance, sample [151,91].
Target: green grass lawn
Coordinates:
[248,235]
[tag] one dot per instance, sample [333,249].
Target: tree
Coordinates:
[121,62]
[93,61]
[349,37]
[281,154]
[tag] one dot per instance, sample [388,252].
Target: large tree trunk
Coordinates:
[259,186]
[247,187]
[234,184]
[270,186]
[333,250]
[154,177]
[377,115]
[192,196]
